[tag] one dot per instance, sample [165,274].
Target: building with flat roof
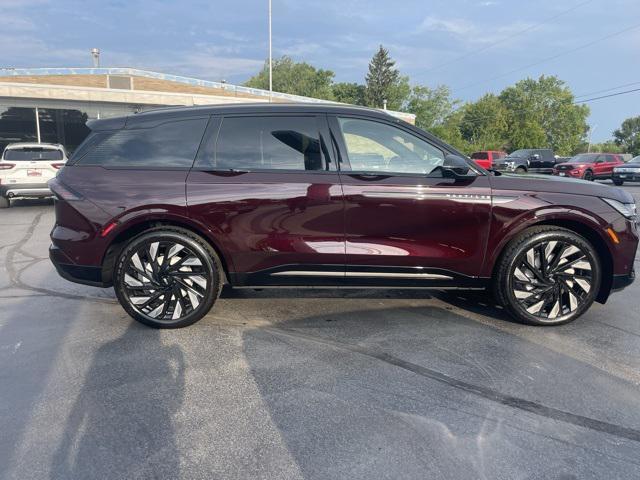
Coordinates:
[53,104]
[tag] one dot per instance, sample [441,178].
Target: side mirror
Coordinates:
[455,166]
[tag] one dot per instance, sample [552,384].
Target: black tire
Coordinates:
[521,170]
[617,182]
[165,272]
[551,296]
[4,202]
[588,176]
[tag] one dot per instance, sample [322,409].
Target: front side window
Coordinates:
[172,144]
[378,147]
[268,143]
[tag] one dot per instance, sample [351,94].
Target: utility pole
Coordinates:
[270,59]
[591,129]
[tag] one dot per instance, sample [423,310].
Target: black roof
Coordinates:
[149,117]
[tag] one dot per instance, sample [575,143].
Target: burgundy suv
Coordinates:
[167,206]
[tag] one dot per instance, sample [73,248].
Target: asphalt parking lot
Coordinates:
[311,384]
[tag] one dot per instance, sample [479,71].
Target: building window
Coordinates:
[17,124]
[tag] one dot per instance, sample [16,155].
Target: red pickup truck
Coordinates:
[486,158]
[589,166]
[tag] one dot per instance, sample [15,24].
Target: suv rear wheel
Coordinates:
[167,278]
[548,276]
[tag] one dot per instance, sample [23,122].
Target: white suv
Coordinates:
[25,169]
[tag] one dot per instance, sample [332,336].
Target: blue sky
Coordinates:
[474,46]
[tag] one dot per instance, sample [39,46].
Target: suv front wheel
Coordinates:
[548,276]
[167,278]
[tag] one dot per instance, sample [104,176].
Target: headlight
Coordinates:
[627,209]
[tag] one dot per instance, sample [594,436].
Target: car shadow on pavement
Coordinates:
[421,392]
[121,425]
[23,380]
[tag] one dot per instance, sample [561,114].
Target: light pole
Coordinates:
[591,129]
[270,59]
[95,53]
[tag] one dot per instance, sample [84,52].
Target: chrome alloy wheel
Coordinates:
[552,279]
[165,280]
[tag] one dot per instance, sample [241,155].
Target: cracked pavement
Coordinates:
[310,384]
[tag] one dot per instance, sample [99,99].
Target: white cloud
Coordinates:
[456,26]
[474,33]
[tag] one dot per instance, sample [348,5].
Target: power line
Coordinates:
[508,38]
[607,96]
[607,89]
[553,57]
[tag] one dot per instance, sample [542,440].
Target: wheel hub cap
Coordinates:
[165,280]
[552,279]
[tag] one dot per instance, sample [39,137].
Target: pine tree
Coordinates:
[382,79]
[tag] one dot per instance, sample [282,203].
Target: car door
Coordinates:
[610,162]
[600,166]
[404,222]
[268,191]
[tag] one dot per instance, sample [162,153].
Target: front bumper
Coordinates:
[84,274]
[622,281]
[568,173]
[626,177]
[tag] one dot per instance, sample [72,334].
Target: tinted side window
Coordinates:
[374,146]
[611,158]
[268,143]
[170,144]
[480,156]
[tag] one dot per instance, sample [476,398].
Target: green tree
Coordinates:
[609,146]
[484,124]
[541,113]
[431,106]
[297,78]
[628,135]
[449,131]
[384,82]
[353,93]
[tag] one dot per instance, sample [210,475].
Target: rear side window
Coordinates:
[268,143]
[480,156]
[172,144]
[33,154]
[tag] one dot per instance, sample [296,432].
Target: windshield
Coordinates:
[583,158]
[33,154]
[520,154]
